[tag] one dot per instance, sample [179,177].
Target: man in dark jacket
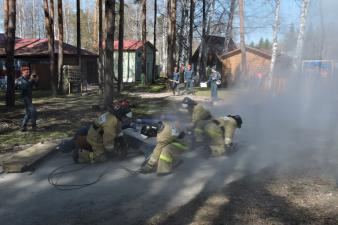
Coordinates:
[25,84]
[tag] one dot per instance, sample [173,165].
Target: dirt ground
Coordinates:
[284,190]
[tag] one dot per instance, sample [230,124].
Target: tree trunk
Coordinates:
[144,39]
[165,43]
[120,60]
[154,57]
[78,37]
[191,29]
[228,33]
[171,35]
[60,52]
[101,53]
[109,53]
[275,39]
[182,36]
[95,27]
[201,49]
[242,38]
[300,40]
[9,20]
[50,34]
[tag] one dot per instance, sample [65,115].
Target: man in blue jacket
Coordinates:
[25,84]
[188,79]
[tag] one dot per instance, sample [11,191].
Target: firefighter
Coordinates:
[220,133]
[168,150]
[101,137]
[199,117]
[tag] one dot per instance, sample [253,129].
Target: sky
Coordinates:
[259,15]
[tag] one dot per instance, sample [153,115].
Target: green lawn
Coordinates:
[61,116]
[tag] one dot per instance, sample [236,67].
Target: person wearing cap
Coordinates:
[214,81]
[188,79]
[25,84]
[100,139]
[170,146]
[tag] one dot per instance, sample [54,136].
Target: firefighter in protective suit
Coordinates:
[199,117]
[169,148]
[220,133]
[102,134]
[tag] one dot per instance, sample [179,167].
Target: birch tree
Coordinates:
[300,39]
[171,8]
[154,57]
[275,38]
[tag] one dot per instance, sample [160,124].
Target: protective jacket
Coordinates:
[101,135]
[168,149]
[220,132]
[200,116]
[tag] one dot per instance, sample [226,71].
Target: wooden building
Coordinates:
[258,63]
[214,47]
[132,60]
[34,51]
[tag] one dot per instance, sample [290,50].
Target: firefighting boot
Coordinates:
[147,168]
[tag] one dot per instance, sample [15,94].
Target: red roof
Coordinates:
[131,45]
[38,47]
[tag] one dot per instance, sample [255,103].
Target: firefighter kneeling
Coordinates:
[101,138]
[220,133]
[168,150]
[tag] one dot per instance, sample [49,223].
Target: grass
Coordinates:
[60,116]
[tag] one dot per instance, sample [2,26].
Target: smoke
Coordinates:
[294,122]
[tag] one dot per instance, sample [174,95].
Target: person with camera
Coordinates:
[25,84]
[214,81]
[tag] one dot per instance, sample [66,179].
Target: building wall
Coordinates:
[129,67]
[150,56]
[255,64]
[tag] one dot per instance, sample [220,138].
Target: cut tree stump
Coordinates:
[26,159]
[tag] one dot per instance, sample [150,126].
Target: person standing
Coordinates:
[175,79]
[25,84]
[188,79]
[214,80]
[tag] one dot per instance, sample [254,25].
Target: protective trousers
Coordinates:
[30,112]
[166,156]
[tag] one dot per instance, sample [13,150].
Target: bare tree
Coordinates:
[228,32]
[275,38]
[171,8]
[300,39]
[144,38]
[101,53]
[191,27]
[242,38]
[60,55]
[120,59]
[109,52]
[154,57]
[78,35]
[49,27]
[201,68]
[10,20]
